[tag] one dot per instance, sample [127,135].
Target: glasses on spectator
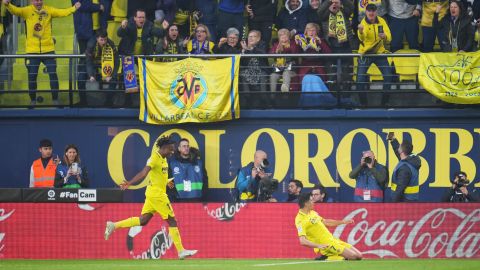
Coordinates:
[200,31]
[232,37]
[315,194]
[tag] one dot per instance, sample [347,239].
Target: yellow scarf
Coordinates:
[305,42]
[107,61]
[336,27]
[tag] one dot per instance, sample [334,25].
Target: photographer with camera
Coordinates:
[371,178]
[459,192]
[254,182]
[405,186]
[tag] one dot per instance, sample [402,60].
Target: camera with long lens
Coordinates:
[458,195]
[462,181]
[266,187]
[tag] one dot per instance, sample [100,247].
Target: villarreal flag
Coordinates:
[451,77]
[189,90]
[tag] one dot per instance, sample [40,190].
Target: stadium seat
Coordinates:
[406,67]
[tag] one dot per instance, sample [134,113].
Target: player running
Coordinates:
[313,232]
[156,199]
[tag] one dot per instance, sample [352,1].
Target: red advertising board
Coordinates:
[72,231]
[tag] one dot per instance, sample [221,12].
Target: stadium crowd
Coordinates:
[252,27]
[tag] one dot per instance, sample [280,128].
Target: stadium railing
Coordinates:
[342,87]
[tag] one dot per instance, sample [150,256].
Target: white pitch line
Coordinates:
[287,263]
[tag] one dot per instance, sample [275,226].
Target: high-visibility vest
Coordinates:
[412,189]
[43,177]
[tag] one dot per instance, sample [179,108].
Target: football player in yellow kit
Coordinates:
[156,199]
[313,232]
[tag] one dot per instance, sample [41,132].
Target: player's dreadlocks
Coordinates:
[164,140]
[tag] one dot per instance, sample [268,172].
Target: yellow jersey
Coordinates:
[311,226]
[137,50]
[39,25]
[158,176]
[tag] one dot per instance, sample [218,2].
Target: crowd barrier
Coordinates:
[223,230]
[340,79]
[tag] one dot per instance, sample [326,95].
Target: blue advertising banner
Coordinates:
[312,150]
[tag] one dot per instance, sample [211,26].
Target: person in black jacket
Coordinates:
[138,35]
[148,5]
[253,74]
[458,32]
[405,182]
[85,26]
[261,15]
[99,54]
[293,17]
[229,44]
[460,190]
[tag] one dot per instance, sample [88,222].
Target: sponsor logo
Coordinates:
[432,235]
[51,195]
[226,212]
[189,89]
[160,243]
[87,195]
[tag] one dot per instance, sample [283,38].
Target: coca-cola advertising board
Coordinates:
[76,231]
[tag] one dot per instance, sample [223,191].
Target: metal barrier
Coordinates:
[338,72]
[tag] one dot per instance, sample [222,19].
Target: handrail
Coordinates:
[326,55]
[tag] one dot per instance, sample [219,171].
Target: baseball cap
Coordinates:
[371,7]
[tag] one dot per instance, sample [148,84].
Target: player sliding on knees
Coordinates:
[313,232]
[156,199]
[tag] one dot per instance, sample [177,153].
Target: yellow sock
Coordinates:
[127,223]
[177,240]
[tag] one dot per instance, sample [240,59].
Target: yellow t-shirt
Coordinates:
[96,17]
[138,44]
[311,226]
[158,176]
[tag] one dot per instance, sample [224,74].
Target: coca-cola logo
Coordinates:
[441,232]
[160,243]
[3,217]
[226,212]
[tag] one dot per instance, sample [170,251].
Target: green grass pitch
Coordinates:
[223,264]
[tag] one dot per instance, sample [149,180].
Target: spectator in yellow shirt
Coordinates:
[38,18]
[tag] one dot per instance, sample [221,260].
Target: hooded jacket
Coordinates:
[292,19]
